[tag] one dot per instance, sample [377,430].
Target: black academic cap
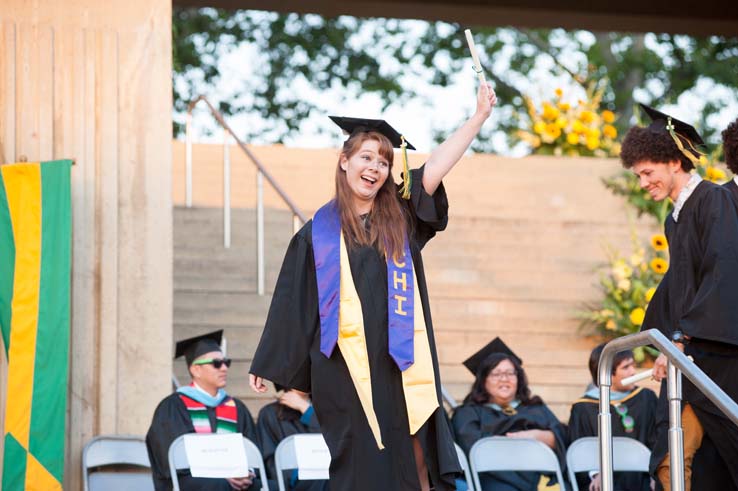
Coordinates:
[660,122]
[495,346]
[278,387]
[193,348]
[353,125]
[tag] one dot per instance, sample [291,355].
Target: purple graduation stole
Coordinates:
[327,238]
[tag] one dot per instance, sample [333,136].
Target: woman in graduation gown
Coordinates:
[350,321]
[291,414]
[500,404]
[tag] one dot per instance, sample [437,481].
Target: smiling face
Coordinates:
[502,383]
[661,180]
[366,172]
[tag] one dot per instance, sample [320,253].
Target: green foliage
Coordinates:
[380,55]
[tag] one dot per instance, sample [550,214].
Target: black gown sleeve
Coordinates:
[467,426]
[283,354]
[167,424]
[429,213]
[580,421]
[713,314]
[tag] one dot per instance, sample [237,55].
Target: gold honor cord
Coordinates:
[407,179]
[418,381]
[675,136]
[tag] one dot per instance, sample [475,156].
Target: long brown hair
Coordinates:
[388,227]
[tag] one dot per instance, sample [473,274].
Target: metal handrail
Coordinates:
[677,363]
[298,217]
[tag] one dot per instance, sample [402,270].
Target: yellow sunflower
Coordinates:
[559,92]
[649,293]
[564,106]
[637,315]
[610,131]
[572,138]
[577,126]
[659,265]
[659,243]
[587,116]
[553,131]
[715,174]
[550,113]
[539,127]
[593,143]
[608,116]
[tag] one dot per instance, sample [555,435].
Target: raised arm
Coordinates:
[445,156]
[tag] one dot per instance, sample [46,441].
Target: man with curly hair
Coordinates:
[730,149]
[695,303]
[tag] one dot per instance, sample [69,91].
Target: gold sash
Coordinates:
[418,381]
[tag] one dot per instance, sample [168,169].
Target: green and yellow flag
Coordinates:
[35,276]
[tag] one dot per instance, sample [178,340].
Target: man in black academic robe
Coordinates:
[696,300]
[730,150]
[289,354]
[291,414]
[633,411]
[172,417]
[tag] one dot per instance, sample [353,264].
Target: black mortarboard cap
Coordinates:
[197,346]
[495,346]
[686,132]
[354,125]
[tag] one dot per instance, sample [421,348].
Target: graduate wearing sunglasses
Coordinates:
[203,406]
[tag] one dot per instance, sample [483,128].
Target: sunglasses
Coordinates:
[216,362]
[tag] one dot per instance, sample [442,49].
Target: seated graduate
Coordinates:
[500,404]
[200,407]
[633,415]
[290,414]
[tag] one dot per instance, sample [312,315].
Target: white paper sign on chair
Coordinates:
[216,455]
[313,457]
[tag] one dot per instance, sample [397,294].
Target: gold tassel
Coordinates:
[407,180]
[680,145]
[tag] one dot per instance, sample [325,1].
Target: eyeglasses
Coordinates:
[499,375]
[216,362]
[625,418]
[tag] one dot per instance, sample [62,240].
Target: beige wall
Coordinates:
[91,81]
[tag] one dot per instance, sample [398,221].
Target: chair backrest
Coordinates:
[499,453]
[111,451]
[464,467]
[285,457]
[178,460]
[628,455]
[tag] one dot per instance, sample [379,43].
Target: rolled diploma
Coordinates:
[640,376]
[475,56]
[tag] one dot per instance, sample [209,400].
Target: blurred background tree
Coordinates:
[355,56]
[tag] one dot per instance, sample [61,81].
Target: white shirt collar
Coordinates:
[735,180]
[684,194]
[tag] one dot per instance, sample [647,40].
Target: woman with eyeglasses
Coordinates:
[500,404]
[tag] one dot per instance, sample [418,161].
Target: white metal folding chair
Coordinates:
[499,453]
[628,455]
[116,463]
[464,467]
[178,460]
[285,457]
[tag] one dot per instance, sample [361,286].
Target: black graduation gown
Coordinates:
[641,404]
[289,354]
[698,297]
[275,423]
[733,188]
[171,420]
[474,421]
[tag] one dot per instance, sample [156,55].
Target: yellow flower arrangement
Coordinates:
[560,127]
[628,284]
[658,242]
